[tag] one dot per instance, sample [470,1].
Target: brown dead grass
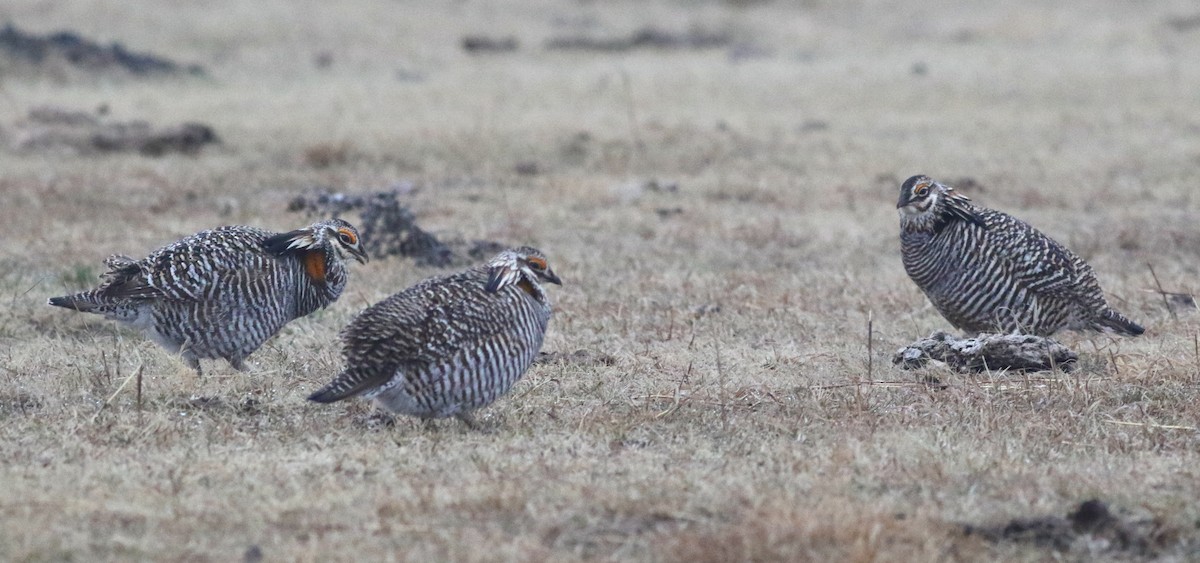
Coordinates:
[723,410]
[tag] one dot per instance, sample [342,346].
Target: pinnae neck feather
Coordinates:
[314,265]
[528,287]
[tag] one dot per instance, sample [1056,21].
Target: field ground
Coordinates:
[723,219]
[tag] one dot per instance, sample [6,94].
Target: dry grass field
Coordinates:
[723,219]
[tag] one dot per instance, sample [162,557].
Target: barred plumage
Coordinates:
[222,293]
[451,344]
[987,271]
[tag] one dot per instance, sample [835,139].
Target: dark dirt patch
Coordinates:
[19,404]
[50,129]
[56,52]
[648,37]
[579,357]
[197,403]
[326,155]
[1092,526]
[248,406]
[390,229]
[604,534]
[375,420]
[486,44]
[1183,24]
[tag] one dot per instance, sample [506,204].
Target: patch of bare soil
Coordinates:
[602,535]
[648,37]
[987,352]
[1092,528]
[51,129]
[18,403]
[56,52]
[579,357]
[247,406]
[374,420]
[489,44]
[390,229]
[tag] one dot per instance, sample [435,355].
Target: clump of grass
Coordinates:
[79,277]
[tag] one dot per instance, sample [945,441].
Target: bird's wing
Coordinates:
[1038,263]
[190,268]
[426,322]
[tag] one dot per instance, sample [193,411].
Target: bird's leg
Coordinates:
[381,419]
[469,420]
[190,359]
[194,363]
[238,364]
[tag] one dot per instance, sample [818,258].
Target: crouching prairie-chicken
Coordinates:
[987,271]
[451,344]
[222,293]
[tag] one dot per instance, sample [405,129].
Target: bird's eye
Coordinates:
[537,263]
[921,191]
[347,238]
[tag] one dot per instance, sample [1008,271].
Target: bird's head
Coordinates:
[516,265]
[335,237]
[924,203]
[343,239]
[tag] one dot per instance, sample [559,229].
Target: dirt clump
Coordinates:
[648,37]
[486,44]
[58,53]
[987,352]
[390,229]
[1091,527]
[52,129]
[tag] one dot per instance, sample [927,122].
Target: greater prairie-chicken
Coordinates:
[987,271]
[451,344]
[222,293]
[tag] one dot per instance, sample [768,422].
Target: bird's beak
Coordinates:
[551,277]
[903,200]
[360,254]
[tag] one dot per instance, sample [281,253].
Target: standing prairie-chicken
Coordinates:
[451,344]
[987,271]
[222,293]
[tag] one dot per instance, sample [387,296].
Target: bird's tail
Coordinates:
[347,384]
[82,302]
[1112,321]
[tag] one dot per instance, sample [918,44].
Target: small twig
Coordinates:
[1161,292]
[676,400]
[634,132]
[535,387]
[137,374]
[139,392]
[31,288]
[1151,425]
[870,339]
[721,384]
[670,323]
[690,400]
[1196,351]
[104,362]
[857,384]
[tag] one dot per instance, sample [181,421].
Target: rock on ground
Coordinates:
[987,352]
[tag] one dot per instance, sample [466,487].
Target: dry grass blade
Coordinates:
[1161,292]
[1152,425]
[136,375]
